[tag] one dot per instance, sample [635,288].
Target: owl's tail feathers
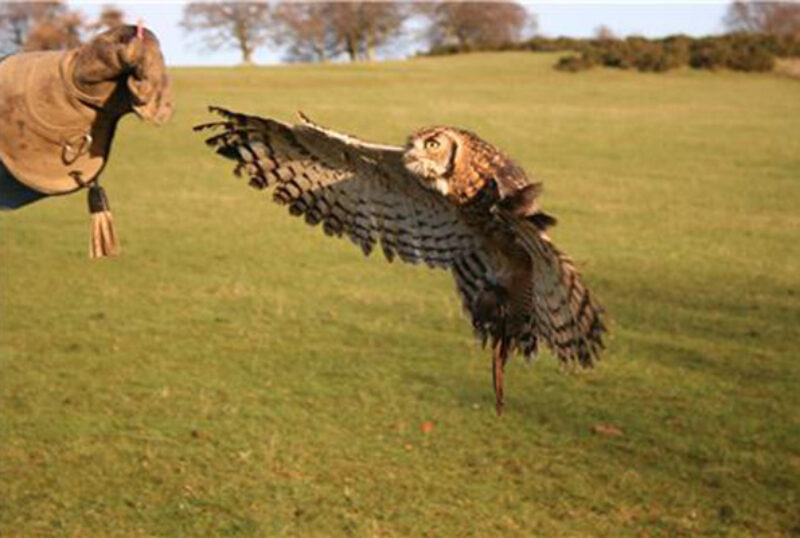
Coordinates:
[564,313]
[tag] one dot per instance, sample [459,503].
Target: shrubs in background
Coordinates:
[574,63]
[742,53]
[738,51]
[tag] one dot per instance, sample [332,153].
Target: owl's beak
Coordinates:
[413,165]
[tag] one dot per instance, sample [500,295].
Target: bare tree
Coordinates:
[57,32]
[775,18]
[306,30]
[362,27]
[604,33]
[241,25]
[344,20]
[323,30]
[380,22]
[18,20]
[476,24]
[110,17]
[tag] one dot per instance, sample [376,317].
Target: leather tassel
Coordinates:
[103,241]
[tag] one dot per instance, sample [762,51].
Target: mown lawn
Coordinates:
[236,373]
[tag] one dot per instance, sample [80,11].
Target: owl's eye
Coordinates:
[431,143]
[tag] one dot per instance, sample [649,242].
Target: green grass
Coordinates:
[236,373]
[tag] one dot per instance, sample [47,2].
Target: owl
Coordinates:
[447,199]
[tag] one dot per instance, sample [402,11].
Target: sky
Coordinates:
[574,19]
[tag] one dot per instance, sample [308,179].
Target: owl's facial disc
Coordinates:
[430,157]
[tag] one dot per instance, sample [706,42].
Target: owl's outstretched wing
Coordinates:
[563,312]
[355,189]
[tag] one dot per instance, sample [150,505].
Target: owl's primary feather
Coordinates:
[448,199]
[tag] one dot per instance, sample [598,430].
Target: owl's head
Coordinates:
[432,155]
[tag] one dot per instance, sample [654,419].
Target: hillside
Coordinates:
[235,372]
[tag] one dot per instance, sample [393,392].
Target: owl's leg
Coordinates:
[489,314]
[499,358]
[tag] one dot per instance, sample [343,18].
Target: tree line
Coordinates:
[304,31]
[739,51]
[757,34]
[50,25]
[323,31]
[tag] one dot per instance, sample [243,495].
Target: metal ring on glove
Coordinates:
[69,154]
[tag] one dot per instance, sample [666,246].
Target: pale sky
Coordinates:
[575,19]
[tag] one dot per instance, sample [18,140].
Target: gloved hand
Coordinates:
[59,111]
[126,50]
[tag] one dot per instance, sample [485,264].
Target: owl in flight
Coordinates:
[448,199]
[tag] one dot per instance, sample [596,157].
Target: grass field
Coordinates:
[236,373]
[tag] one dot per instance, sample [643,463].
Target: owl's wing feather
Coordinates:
[354,188]
[564,313]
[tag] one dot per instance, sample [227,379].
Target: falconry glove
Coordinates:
[59,111]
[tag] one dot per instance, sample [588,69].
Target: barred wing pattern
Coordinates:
[353,188]
[564,314]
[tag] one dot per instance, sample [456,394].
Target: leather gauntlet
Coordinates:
[59,111]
